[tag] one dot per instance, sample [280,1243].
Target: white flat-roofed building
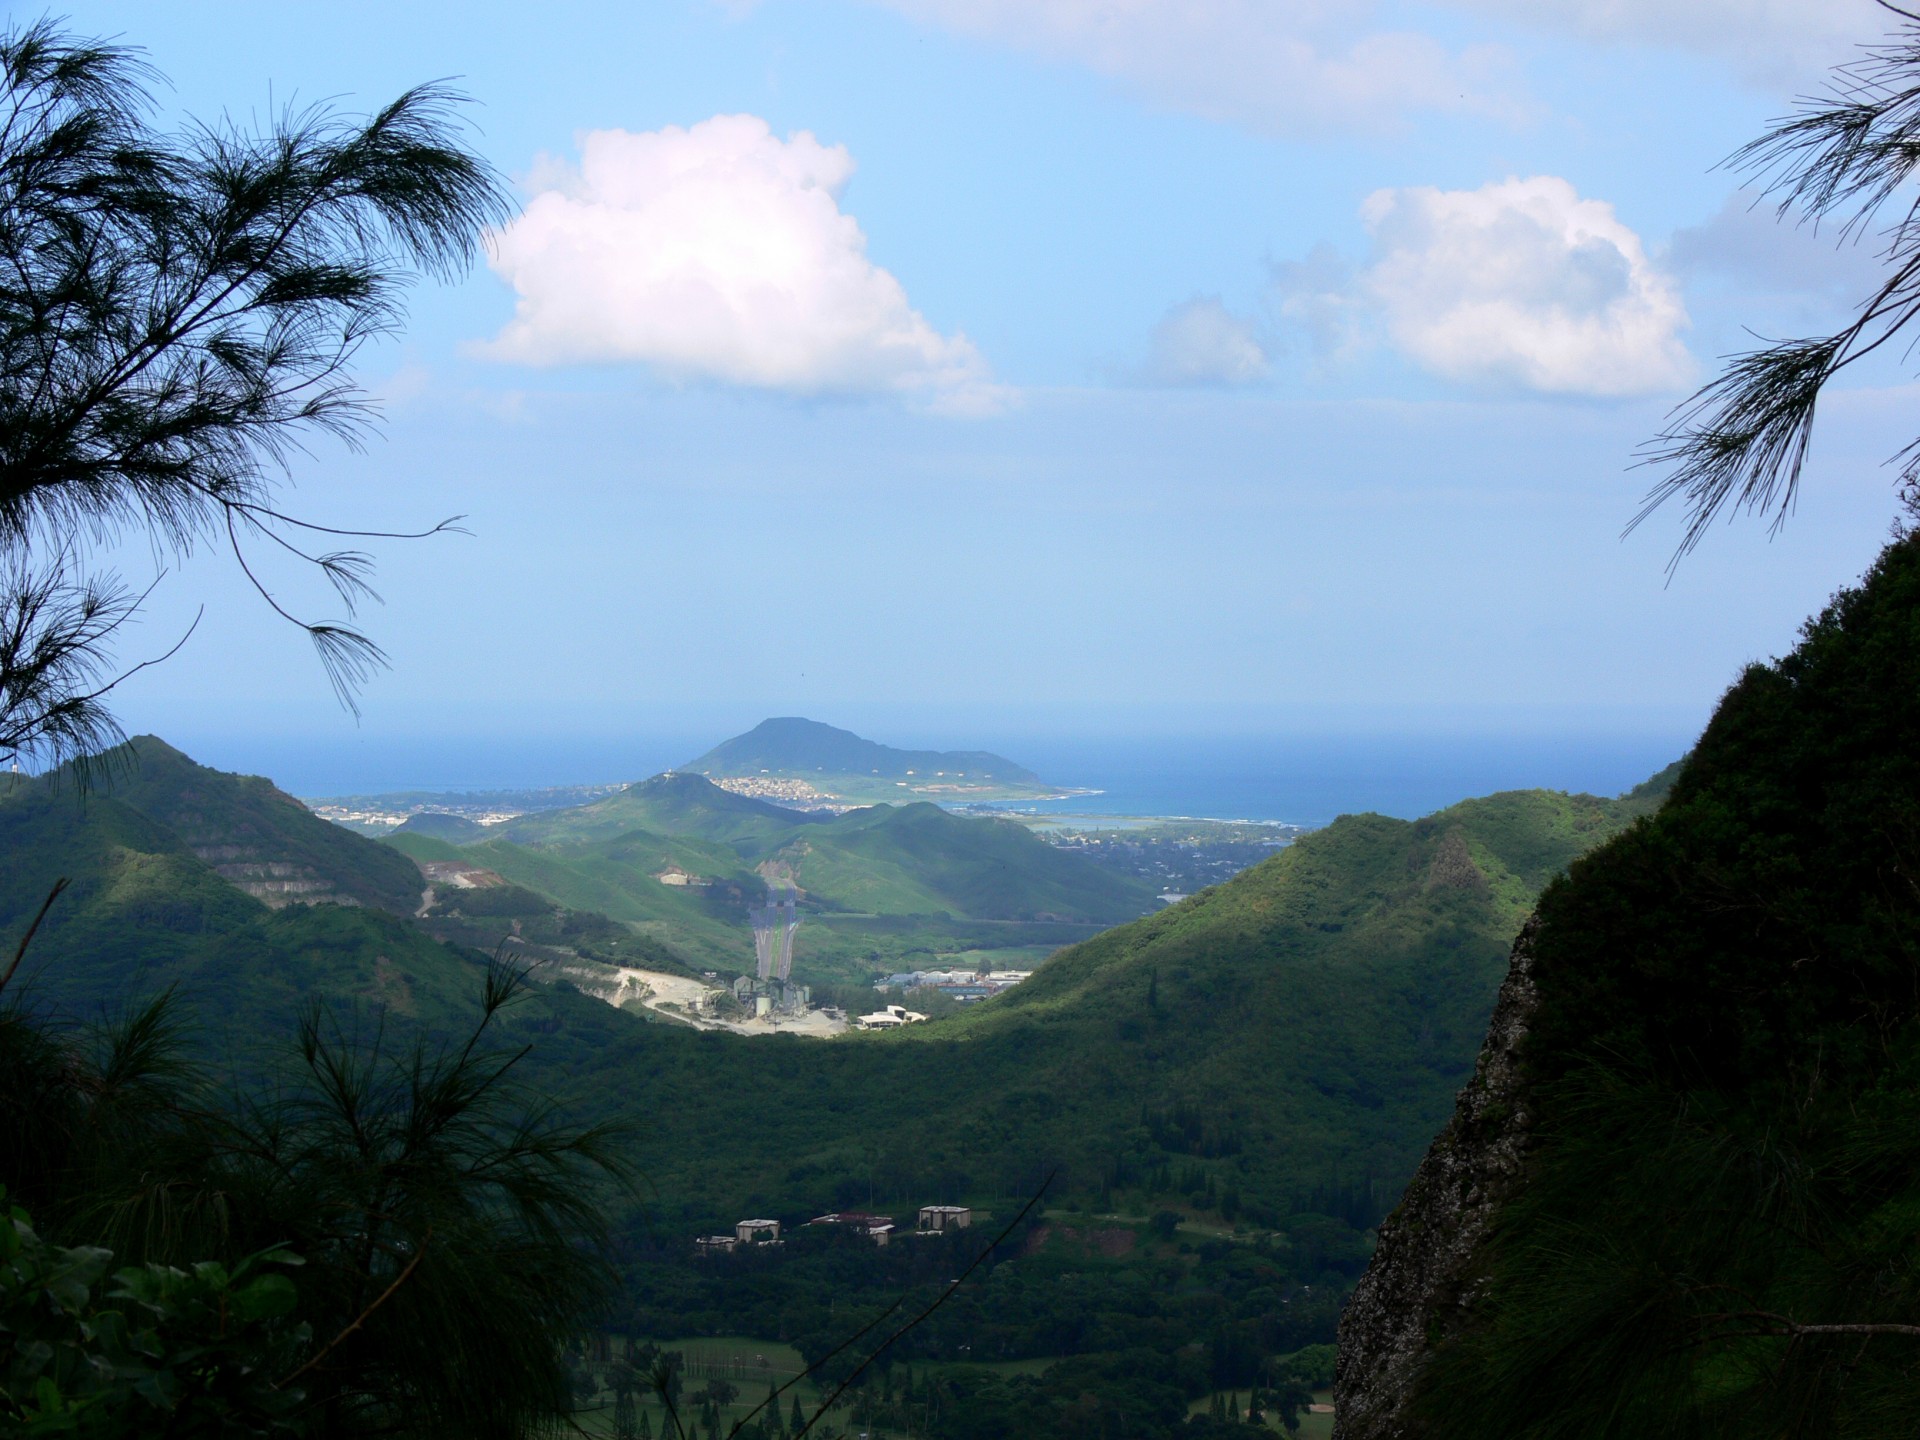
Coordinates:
[891,1018]
[757,1232]
[935,1218]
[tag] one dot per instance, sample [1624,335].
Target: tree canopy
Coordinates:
[1844,159]
[179,315]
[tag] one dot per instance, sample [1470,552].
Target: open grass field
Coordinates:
[737,1357]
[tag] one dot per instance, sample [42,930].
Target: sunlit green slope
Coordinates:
[919,859]
[615,857]
[678,805]
[1294,1036]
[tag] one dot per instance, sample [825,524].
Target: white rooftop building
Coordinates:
[944,1217]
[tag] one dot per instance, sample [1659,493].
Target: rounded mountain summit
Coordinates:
[781,758]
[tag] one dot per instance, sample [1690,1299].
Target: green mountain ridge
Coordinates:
[254,834]
[676,804]
[1323,1004]
[1261,1063]
[882,861]
[440,825]
[144,913]
[1299,1029]
[918,858]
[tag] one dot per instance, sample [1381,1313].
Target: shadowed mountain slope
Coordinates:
[253,834]
[1681,1196]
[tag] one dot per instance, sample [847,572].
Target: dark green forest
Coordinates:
[1724,1074]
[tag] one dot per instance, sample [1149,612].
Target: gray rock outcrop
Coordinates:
[1420,1286]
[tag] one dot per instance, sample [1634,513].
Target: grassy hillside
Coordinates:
[920,859]
[439,825]
[706,925]
[684,806]
[143,913]
[945,876]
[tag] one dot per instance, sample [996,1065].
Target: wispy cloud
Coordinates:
[1201,342]
[1303,67]
[1307,67]
[1770,42]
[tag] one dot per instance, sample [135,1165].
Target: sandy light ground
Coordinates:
[686,1000]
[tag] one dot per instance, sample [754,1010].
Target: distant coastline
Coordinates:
[1278,779]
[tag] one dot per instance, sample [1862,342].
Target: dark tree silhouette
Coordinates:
[449,1227]
[1741,442]
[179,315]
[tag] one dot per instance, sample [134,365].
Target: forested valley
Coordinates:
[815,1087]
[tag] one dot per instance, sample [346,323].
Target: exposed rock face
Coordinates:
[1453,868]
[272,882]
[258,838]
[1419,1287]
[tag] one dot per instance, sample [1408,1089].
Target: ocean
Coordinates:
[1297,779]
[1311,780]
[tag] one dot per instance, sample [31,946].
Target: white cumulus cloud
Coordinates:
[1523,282]
[719,251]
[1202,342]
[1275,66]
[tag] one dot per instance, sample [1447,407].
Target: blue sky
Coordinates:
[960,368]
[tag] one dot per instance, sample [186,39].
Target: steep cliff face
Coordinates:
[1681,1195]
[1420,1286]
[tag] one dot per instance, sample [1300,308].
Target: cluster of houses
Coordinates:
[753,1234]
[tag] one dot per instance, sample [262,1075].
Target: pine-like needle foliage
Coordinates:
[451,1225]
[1741,442]
[178,313]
